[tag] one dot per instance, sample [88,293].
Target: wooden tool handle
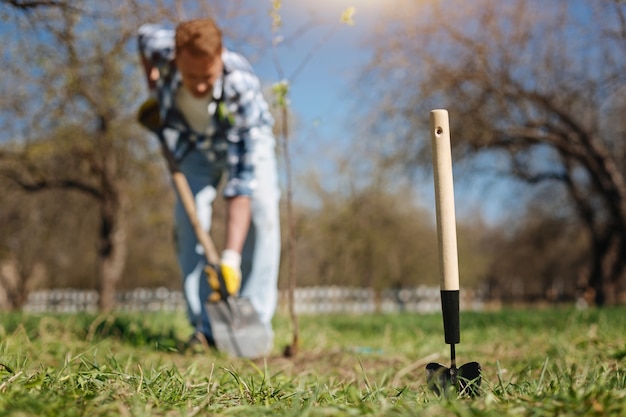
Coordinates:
[186,197]
[446,225]
[444,198]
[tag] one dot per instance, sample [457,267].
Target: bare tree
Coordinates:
[71,64]
[70,88]
[539,86]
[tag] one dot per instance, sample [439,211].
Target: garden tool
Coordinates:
[235,323]
[465,379]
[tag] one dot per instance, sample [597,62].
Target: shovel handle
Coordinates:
[444,198]
[186,197]
[446,223]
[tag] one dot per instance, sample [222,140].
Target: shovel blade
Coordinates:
[465,379]
[237,328]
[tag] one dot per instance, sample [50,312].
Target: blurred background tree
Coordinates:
[536,91]
[71,85]
[536,95]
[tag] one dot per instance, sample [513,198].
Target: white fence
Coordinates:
[308,300]
[71,300]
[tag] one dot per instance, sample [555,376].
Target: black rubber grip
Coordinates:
[450,309]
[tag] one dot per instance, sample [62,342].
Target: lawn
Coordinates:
[545,362]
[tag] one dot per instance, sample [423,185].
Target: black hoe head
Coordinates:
[466,379]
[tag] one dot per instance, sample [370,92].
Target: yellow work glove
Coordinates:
[230,269]
[149,114]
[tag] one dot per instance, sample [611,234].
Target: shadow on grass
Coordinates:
[148,330]
[137,331]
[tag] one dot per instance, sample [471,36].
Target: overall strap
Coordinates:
[221,119]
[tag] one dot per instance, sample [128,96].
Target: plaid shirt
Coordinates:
[239,114]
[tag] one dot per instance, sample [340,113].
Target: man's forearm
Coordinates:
[237,222]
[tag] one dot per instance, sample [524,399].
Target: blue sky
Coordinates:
[321,65]
[321,91]
[324,94]
[324,79]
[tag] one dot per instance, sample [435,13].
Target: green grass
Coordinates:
[545,362]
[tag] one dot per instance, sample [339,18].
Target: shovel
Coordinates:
[236,326]
[465,379]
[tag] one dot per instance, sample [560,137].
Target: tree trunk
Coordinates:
[16,282]
[112,248]
[112,252]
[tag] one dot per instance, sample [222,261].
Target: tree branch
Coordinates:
[33,4]
[15,164]
[49,184]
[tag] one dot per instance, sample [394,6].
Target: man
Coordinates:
[212,116]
